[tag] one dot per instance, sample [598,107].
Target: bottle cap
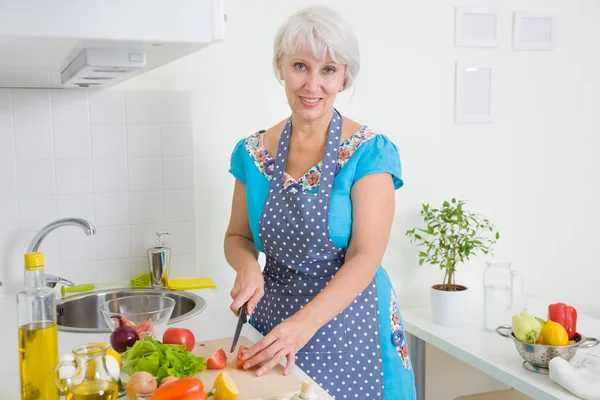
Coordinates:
[34,261]
[306,387]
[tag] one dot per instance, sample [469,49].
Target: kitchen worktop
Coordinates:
[215,322]
[493,354]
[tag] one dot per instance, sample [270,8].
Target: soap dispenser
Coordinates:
[159,258]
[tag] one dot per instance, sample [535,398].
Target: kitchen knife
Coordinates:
[242,319]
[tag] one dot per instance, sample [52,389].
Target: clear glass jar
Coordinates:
[501,287]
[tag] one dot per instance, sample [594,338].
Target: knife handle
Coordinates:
[243,311]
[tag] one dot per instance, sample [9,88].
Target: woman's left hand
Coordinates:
[283,341]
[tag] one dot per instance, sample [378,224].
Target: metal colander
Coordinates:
[540,355]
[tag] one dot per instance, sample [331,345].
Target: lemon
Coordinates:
[113,353]
[554,334]
[224,388]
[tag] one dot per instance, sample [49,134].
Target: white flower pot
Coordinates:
[449,308]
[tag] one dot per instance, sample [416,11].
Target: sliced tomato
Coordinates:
[241,351]
[126,322]
[146,328]
[218,360]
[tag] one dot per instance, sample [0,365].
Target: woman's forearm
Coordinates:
[240,252]
[354,276]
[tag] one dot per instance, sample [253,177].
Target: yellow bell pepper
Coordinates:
[555,334]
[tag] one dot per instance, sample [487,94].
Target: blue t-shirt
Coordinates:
[363,153]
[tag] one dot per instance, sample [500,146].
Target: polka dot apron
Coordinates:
[344,356]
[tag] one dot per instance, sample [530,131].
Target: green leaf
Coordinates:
[421,261]
[497,235]
[161,360]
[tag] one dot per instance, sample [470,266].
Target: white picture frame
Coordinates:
[534,30]
[475,92]
[476,27]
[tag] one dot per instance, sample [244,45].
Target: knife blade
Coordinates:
[242,319]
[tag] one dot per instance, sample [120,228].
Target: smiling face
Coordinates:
[311,84]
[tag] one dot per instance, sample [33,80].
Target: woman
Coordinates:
[315,193]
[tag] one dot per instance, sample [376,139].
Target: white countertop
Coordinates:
[491,353]
[215,322]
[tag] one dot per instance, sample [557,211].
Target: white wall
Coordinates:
[122,160]
[532,171]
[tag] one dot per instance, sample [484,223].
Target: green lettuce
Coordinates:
[161,360]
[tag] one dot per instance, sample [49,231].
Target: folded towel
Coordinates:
[190,283]
[580,376]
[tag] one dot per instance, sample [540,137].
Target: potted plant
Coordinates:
[452,235]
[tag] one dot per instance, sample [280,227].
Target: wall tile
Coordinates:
[76,205]
[179,206]
[75,245]
[79,272]
[35,211]
[69,106]
[5,107]
[7,143]
[72,140]
[107,106]
[145,207]
[143,107]
[143,237]
[112,242]
[110,175]
[176,108]
[177,141]
[178,173]
[31,103]
[9,210]
[145,174]
[143,140]
[183,266]
[36,176]
[104,156]
[8,179]
[112,209]
[74,176]
[113,271]
[33,139]
[181,238]
[109,140]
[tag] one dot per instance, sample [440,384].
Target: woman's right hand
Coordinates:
[249,286]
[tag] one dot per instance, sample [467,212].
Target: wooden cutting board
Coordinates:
[271,386]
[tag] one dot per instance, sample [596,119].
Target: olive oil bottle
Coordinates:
[38,334]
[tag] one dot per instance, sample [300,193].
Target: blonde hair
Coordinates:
[322,30]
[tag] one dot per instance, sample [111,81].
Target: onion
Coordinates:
[142,384]
[168,379]
[123,336]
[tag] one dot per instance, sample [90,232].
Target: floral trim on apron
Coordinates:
[398,336]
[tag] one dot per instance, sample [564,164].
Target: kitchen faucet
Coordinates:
[88,228]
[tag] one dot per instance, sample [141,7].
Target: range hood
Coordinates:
[74,43]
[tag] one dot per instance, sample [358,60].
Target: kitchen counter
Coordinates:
[488,351]
[215,322]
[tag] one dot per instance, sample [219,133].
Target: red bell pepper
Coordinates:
[564,315]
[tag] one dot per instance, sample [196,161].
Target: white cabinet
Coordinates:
[40,39]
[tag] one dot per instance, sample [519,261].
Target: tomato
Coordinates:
[184,388]
[218,360]
[180,336]
[241,351]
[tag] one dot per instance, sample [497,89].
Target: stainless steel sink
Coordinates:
[81,313]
